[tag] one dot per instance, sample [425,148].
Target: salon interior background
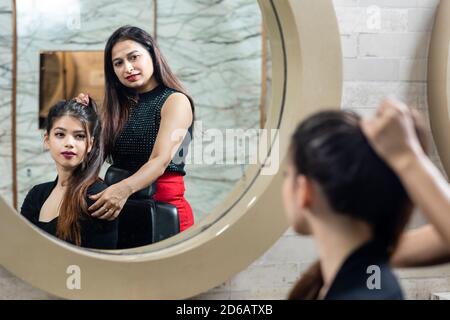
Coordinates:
[221,63]
[379,59]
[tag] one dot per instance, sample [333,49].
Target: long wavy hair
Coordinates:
[119,98]
[74,204]
[330,148]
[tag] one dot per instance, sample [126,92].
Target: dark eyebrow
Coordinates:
[128,54]
[132,52]
[76,131]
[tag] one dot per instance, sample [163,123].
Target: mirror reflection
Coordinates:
[65,73]
[185,67]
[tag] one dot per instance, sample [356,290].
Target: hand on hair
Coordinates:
[109,202]
[396,133]
[83,98]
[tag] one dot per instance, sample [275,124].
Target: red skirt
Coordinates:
[170,189]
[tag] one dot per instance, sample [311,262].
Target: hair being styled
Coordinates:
[74,204]
[119,98]
[331,149]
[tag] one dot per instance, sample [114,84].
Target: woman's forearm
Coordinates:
[420,247]
[429,191]
[146,175]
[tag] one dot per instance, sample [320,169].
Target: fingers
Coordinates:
[421,131]
[98,204]
[372,127]
[390,112]
[100,212]
[95,197]
[392,107]
[418,119]
[82,98]
[113,215]
[107,212]
[367,126]
[110,215]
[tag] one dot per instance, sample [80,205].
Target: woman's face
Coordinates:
[133,65]
[295,200]
[67,142]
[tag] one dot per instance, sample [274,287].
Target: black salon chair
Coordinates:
[142,220]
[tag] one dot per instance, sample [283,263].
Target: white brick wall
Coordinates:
[391,59]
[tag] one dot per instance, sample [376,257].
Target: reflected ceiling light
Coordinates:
[222,230]
[251,202]
[49,14]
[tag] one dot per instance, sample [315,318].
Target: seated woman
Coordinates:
[339,191]
[61,207]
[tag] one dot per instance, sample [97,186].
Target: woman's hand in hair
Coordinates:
[396,133]
[110,201]
[83,98]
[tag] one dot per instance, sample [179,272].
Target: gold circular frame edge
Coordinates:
[438,83]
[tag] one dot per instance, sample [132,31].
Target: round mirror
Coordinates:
[247,217]
[439,83]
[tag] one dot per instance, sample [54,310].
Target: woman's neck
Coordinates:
[336,239]
[63,176]
[149,86]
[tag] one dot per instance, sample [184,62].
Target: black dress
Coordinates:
[95,233]
[135,142]
[357,278]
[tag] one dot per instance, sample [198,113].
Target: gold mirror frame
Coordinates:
[307,77]
[439,83]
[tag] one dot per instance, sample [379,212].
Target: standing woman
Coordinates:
[145,109]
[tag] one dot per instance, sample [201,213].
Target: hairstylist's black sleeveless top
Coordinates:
[135,143]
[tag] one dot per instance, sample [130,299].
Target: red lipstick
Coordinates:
[68,154]
[132,78]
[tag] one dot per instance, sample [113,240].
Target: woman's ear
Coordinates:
[305,192]
[90,144]
[304,202]
[46,145]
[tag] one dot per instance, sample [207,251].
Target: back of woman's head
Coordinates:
[331,149]
[74,204]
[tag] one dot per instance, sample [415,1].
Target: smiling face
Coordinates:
[133,66]
[67,142]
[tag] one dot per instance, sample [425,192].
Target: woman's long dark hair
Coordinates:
[118,98]
[331,149]
[74,204]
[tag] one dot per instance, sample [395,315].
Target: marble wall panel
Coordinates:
[6,60]
[215,48]
[59,25]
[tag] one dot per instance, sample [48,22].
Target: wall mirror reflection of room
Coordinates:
[219,51]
